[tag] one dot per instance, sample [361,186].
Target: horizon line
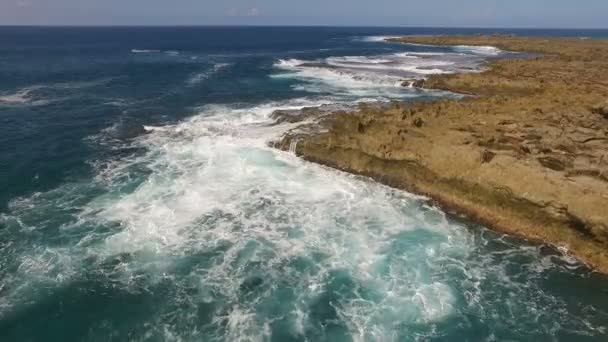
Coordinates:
[297,25]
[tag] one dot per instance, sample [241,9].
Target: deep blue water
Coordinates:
[43,145]
[139,199]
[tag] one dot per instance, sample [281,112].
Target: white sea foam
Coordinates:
[376,39]
[173,53]
[27,96]
[355,85]
[199,77]
[271,209]
[359,59]
[339,80]
[404,62]
[479,50]
[435,301]
[379,77]
[419,54]
[21,96]
[463,49]
[421,45]
[34,95]
[143,51]
[345,77]
[289,63]
[379,258]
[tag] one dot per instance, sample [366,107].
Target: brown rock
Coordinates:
[418,83]
[487,156]
[418,122]
[361,128]
[601,109]
[511,111]
[552,163]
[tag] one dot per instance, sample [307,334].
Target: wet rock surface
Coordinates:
[527,155]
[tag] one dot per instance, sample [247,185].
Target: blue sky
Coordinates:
[461,13]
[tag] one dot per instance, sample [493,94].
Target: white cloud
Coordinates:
[235,12]
[253,12]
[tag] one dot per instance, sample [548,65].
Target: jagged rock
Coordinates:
[291,116]
[361,128]
[552,163]
[418,122]
[601,109]
[487,156]
[566,148]
[418,83]
[298,115]
[413,83]
[532,136]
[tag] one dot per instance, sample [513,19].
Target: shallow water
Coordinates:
[141,200]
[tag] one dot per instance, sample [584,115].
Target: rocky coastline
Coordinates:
[526,153]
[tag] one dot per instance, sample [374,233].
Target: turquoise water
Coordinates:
[140,201]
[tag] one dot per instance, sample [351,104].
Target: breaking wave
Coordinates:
[479,50]
[379,76]
[143,51]
[197,229]
[345,83]
[374,39]
[261,239]
[197,78]
[21,96]
[42,94]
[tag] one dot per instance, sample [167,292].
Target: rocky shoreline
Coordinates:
[526,155]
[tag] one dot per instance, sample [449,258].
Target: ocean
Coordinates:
[140,199]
